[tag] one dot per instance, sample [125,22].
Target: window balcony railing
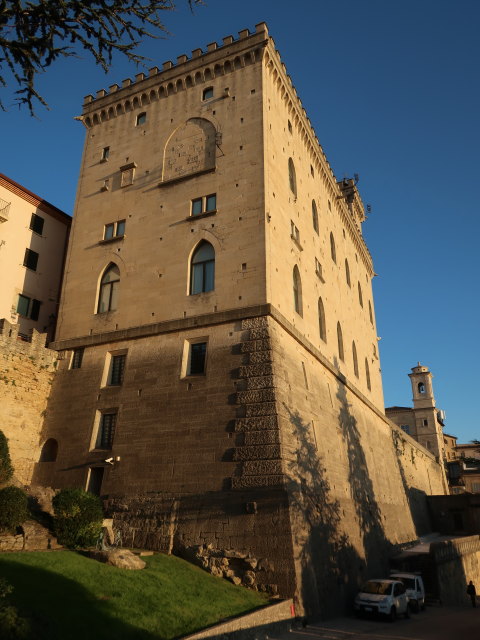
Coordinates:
[4,209]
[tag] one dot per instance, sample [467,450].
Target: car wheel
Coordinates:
[407,611]
[415,606]
[393,615]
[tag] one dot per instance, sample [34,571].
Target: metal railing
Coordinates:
[4,210]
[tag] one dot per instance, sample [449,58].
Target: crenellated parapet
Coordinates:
[201,67]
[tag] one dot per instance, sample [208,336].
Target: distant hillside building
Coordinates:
[219,378]
[33,241]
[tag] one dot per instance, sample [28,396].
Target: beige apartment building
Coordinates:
[219,377]
[33,241]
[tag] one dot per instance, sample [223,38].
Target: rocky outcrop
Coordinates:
[120,558]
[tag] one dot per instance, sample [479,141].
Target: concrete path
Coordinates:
[436,623]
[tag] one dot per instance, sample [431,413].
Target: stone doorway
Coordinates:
[95,479]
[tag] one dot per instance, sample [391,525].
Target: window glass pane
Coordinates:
[141,118]
[22,305]
[77,358]
[31,259]
[198,352]
[118,367]
[209,283]
[204,252]
[120,228]
[35,309]
[36,223]
[108,231]
[197,278]
[114,297]
[106,431]
[211,203]
[208,93]
[111,274]
[196,207]
[104,298]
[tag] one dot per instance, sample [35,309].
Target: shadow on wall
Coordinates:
[417,499]
[332,570]
[55,605]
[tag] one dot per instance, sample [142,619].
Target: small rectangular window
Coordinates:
[141,119]
[105,153]
[35,309]
[294,232]
[23,305]
[108,233]
[117,369]
[425,423]
[77,358]
[207,93]
[197,358]
[205,204]
[120,230]
[406,428]
[106,431]
[36,224]
[30,260]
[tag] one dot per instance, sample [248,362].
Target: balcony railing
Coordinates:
[4,209]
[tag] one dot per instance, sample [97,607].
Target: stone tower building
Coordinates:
[219,380]
[424,421]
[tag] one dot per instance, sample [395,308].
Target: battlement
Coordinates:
[198,55]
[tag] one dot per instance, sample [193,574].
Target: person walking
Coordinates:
[472,593]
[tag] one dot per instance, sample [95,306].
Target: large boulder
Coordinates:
[120,558]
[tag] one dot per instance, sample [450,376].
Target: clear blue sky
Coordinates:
[392,89]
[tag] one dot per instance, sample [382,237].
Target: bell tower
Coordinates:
[421,380]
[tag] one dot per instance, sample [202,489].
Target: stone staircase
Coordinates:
[31,536]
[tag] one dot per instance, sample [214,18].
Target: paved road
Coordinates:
[436,623]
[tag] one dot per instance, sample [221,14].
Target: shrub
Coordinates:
[13,508]
[12,626]
[78,517]
[6,469]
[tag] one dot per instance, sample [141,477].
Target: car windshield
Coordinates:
[377,586]
[408,582]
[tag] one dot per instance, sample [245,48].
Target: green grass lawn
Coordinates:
[70,597]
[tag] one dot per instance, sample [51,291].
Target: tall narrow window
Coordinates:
[197,358]
[355,359]
[370,312]
[202,272]
[347,273]
[106,431]
[321,321]
[333,251]
[77,358]
[297,291]
[421,387]
[292,178]
[360,296]
[105,154]
[117,368]
[108,297]
[314,216]
[341,353]
[367,375]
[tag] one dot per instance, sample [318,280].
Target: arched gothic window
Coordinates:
[292,178]
[297,291]
[109,286]
[355,359]
[367,374]
[347,272]
[314,216]
[202,271]
[360,296]
[333,251]
[322,326]
[341,353]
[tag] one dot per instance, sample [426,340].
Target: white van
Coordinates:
[415,589]
[384,597]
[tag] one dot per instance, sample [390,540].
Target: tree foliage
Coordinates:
[13,508]
[34,34]
[78,517]
[6,468]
